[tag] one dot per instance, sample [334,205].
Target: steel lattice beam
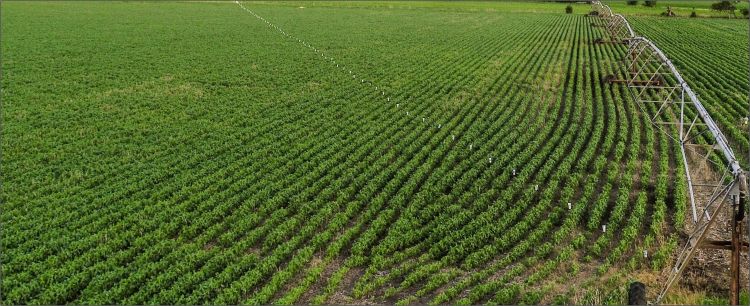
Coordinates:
[653,79]
[616,24]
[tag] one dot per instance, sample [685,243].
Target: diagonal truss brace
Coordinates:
[653,79]
[617,26]
[723,193]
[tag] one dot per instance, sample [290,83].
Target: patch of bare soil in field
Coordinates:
[345,296]
[708,271]
[319,285]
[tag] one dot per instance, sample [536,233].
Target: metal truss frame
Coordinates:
[652,79]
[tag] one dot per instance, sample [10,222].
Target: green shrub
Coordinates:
[723,6]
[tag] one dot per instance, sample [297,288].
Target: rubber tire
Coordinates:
[637,294]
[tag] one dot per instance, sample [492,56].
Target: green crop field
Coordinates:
[714,62]
[342,152]
[682,8]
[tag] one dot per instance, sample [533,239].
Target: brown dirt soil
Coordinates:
[318,286]
[345,296]
[709,269]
